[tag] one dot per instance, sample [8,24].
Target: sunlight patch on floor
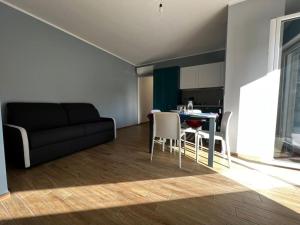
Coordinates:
[266,180]
[253,176]
[113,195]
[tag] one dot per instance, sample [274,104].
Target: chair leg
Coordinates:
[171,145]
[201,143]
[228,154]
[179,154]
[163,144]
[161,141]
[223,147]
[184,143]
[197,146]
[152,149]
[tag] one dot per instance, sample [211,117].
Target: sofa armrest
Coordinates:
[115,124]
[17,144]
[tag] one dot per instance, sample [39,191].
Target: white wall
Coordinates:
[250,92]
[145,97]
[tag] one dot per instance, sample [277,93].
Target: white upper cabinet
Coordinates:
[202,76]
[189,79]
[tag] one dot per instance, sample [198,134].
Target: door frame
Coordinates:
[275,44]
[139,77]
[276,40]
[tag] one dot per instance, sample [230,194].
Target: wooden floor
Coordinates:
[115,183]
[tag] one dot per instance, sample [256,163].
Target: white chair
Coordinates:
[167,125]
[221,136]
[161,140]
[187,129]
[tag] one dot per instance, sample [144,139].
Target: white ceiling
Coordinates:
[134,30]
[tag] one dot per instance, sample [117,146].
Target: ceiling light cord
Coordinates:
[161,7]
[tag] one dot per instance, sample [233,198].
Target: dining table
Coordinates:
[212,128]
[197,116]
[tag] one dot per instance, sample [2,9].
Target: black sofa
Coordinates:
[40,132]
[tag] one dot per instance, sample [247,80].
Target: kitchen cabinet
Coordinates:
[202,76]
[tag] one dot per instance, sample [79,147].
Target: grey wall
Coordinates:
[41,63]
[247,75]
[211,57]
[3,182]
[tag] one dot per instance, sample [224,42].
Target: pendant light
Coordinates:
[161,7]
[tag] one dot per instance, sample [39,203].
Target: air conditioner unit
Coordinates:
[145,70]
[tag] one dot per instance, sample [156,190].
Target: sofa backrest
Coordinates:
[81,113]
[36,116]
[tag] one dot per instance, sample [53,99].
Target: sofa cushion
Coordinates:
[36,116]
[56,150]
[97,127]
[51,136]
[81,113]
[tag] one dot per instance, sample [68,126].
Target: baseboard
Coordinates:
[250,158]
[133,125]
[274,163]
[234,154]
[142,123]
[4,196]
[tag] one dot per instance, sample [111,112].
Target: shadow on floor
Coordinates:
[239,208]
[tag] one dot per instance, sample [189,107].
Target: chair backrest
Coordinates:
[34,116]
[225,124]
[166,125]
[196,111]
[155,111]
[79,113]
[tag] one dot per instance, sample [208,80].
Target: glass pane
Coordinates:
[287,143]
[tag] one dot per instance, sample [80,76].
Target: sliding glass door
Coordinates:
[287,144]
